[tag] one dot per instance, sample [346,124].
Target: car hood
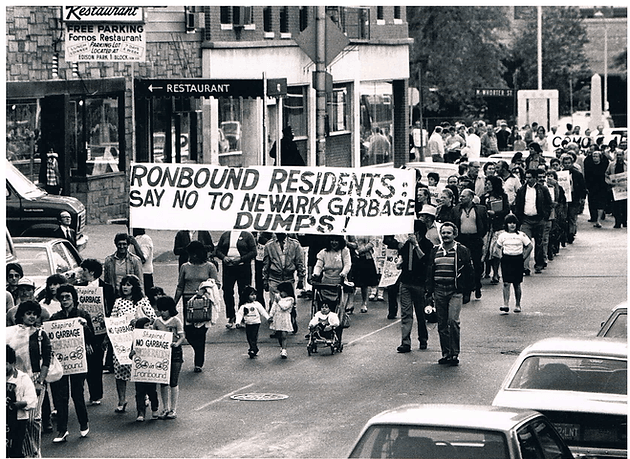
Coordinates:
[55,200]
[548,400]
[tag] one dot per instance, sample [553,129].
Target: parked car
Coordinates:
[42,257]
[459,431]
[580,385]
[616,326]
[33,212]
[10,250]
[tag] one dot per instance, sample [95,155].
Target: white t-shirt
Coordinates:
[513,243]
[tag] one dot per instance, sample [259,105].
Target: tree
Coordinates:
[564,63]
[458,50]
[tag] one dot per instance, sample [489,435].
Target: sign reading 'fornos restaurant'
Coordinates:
[104,34]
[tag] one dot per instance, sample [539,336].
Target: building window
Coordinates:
[100,125]
[267,24]
[231,122]
[284,19]
[339,109]
[303,17]
[397,12]
[377,121]
[226,14]
[380,13]
[295,113]
[356,22]
[22,136]
[236,15]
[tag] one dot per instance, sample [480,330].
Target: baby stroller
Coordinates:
[318,336]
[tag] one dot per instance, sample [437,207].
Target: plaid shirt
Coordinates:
[51,172]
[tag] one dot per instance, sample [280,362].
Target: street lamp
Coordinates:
[600,14]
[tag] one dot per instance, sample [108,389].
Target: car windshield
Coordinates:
[619,326]
[403,441]
[579,374]
[23,186]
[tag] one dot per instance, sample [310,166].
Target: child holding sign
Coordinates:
[167,321]
[145,389]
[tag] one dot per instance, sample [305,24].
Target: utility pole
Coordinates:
[320,79]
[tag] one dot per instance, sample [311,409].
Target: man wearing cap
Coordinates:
[472,223]
[427,215]
[25,292]
[415,255]
[64,231]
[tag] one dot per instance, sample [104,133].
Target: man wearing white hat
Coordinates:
[25,292]
[427,215]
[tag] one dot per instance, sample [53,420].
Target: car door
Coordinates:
[539,440]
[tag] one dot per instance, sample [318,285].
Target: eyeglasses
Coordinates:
[65,296]
[13,276]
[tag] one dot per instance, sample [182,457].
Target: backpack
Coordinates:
[199,309]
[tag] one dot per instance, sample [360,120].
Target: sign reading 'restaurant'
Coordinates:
[102,14]
[321,200]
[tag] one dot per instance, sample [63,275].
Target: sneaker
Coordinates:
[155,415]
[380,298]
[403,348]
[163,414]
[504,309]
[283,354]
[140,418]
[171,415]
[517,309]
[94,402]
[61,437]
[84,430]
[364,308]
[372,297]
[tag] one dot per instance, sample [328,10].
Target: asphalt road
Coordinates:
[330,397]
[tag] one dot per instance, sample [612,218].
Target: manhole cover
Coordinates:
[258,397]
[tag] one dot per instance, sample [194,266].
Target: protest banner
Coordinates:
[151,362]
[91,300]
[68,344]
[391,271]
[557,141]
[564,180]
[120,334]
[322,200]
[620,186]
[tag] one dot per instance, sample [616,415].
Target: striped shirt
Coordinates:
[445,268]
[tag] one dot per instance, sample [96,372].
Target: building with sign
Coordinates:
[103,86]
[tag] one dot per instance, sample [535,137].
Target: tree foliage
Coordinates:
[457,49]
[564,63]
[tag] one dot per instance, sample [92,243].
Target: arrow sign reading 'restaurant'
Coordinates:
[199,87]
[336,41]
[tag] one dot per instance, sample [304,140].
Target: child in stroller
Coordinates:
[323,330]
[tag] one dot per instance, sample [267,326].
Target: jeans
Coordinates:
[142,390]
[95,368]
[412,298]
[69,386]
[534,228]
[448,305]
[252,337]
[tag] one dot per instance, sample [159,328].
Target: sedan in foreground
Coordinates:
[580,385]
[459,431]
[40,257]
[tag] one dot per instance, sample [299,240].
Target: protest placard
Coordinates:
[120,334]
[620,186]
[91,300]
[391,271]
[68,344]
[321,200]
[560,141]
[151,362]
[564,180]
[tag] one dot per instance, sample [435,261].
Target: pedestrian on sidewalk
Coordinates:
[514,246]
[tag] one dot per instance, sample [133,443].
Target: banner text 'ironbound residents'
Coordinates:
[318,200]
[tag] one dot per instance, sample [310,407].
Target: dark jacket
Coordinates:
[417,275]
[496,221]
[481,214]
[72,236]
[246,246]
[543,202]
[579,186]
[464,271]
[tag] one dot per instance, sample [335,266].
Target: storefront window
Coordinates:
[231,122]
[339,109]
[101,131]
[295,113]
[377,121]
[22,136]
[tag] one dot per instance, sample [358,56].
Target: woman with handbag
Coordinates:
[191,275]
[34,354]
[132,302]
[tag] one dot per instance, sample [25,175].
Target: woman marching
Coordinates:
[514,246]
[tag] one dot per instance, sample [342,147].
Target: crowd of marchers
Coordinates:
[503,222]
